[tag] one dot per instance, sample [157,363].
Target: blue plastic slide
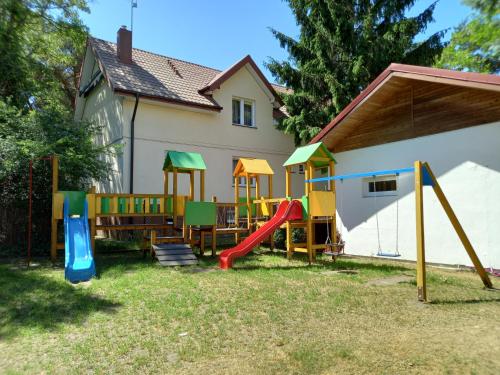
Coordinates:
[79,263]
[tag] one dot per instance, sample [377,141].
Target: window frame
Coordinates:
[385,193]
[242,102]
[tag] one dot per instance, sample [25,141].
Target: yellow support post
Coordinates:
[269,205]
[288,183]
[289,245]
[257,195]
[249,207]
[174,197]
[458,229]
[202,186]
[236,207]
[419,205]
[191,185]
[333,234]
[311,175]
[309,234]
[306,177]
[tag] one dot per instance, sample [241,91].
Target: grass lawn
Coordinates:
[267,316]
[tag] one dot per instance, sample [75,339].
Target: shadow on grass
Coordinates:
[119,263]
[248,264]
[31,300]
[464,301]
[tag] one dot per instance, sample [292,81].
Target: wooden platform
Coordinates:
[132,226]
[174,255]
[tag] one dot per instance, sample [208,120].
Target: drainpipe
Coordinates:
[132,136]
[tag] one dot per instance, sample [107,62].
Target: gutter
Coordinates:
[132,138]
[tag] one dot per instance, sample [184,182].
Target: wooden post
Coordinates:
[289,245]
[191,185]
[311,175]
[309,234]
[153,242]
[165,183]
[236,207]
[93,222]
[419,206]
[202,185]
[288,183]
[249,207]
[306,177]
[270,206]
[55,189]
[288,193]
[333,234]
[257,195]
[459,229]
[174,198]
[184,226]
[270,186]
[214,240]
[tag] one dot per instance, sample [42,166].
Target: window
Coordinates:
[380,186]
[243,112]
[242,180]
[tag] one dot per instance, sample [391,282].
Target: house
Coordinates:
[151,104]
[449,119]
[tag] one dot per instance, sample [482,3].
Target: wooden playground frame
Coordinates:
[424,177]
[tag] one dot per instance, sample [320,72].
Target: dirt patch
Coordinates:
[390,280]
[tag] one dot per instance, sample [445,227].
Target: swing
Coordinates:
[337,248]
[381,253]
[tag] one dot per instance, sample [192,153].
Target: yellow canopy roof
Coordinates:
[252,167]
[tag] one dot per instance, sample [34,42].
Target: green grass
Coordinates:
[267,316]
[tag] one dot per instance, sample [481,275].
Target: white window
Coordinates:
[380,186]
[243,112]
[242,180]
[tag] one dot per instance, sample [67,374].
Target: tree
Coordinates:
[343,45]
[41,46]
[475,43]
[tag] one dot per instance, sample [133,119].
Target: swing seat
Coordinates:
[390,255]
[334,249]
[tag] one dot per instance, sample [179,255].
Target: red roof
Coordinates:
[220,78]
[488,79]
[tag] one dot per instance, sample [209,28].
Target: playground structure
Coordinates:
[249,169]
[181,213]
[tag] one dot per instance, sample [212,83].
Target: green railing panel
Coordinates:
[201,213]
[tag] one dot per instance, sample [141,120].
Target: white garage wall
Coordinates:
[467,165]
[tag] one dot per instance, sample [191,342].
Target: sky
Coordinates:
[217,33]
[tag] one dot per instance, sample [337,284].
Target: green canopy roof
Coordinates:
[305,153]
[183,161]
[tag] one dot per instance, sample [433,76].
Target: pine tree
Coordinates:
[343,45]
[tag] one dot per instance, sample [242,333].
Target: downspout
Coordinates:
[132,136]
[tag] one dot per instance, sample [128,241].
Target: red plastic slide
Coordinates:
[287,210]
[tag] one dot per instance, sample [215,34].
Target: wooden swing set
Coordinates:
[423,177]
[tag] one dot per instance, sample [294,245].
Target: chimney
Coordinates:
[124,45]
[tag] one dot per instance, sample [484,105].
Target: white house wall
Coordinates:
[467,165]
[160,127]
[104,108]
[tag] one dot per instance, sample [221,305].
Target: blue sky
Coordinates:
[217,33]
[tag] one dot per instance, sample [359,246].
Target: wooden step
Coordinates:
[173,252]
[176,257]
[171,246]
[170,263]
